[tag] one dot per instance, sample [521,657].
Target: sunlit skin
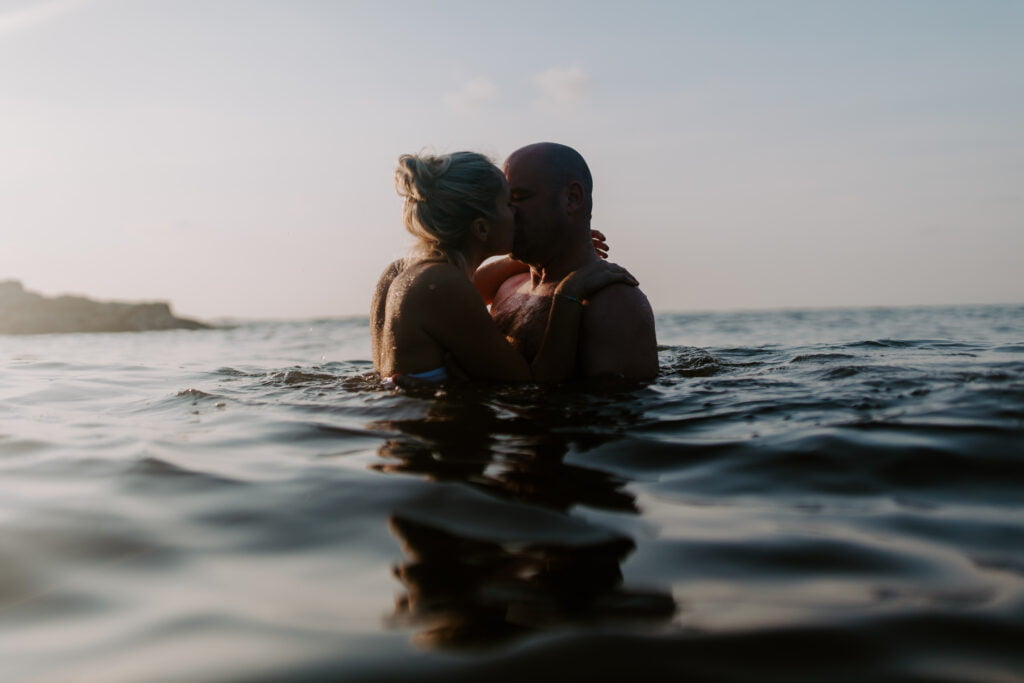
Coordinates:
[553,236]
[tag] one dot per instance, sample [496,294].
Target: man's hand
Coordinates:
[593,277]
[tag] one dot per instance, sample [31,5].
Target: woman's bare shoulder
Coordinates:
[392,271]
[438,295]
[403,275]
[431,276]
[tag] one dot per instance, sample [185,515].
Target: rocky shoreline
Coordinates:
[24,312]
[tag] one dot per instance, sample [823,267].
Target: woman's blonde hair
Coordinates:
[444,194]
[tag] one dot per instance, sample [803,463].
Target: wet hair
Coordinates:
[444,194]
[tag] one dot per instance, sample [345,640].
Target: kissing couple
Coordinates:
[558,309]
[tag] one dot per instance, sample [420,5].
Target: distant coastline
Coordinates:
[25,312]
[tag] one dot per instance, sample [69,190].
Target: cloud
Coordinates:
[473,96]
[562,88]
[13,21]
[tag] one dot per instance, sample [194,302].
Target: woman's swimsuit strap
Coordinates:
[436,375]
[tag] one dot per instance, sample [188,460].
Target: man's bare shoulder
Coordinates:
[626,297]
[617,336]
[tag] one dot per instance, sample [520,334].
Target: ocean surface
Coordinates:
[800,496]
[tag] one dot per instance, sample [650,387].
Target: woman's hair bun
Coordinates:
[443,194]
[417,175]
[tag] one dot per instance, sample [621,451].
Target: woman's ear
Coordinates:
[480,229]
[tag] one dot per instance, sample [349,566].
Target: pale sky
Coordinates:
[236,157]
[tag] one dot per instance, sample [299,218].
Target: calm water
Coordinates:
[826,495]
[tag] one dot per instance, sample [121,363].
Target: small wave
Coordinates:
[939,462]
[299,432]
[298,376]
[1011,374]
[154,474]
[233,372]
[842,372]
[820,357]
[365,382]
[192,397]
[44,365]
[1003,564]
[881,344]
[193,394]
[345,367]
[788,556]
[744,351]
[884,377]
[356,382]
[15,446]
[684,361]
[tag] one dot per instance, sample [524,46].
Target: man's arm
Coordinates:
[617,335]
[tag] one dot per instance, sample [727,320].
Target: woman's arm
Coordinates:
[488,277]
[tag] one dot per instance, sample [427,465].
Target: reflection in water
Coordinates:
[528,470]
[466,592]
[471,592]
[513,445]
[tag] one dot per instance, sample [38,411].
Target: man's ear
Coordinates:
[574,197]
[480,229]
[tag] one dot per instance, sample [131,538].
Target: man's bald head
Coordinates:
[558,165]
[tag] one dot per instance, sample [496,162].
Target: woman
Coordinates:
[426,312]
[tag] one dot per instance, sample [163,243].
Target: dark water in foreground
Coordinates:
[828,495]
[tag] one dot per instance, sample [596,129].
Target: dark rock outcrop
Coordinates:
[24,312]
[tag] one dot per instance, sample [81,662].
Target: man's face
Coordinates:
[536,202]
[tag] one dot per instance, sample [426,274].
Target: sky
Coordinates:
[236,157]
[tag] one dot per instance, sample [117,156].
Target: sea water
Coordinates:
[800,495]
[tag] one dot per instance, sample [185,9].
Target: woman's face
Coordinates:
[503,225]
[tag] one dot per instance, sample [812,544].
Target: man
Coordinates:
[551,190]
